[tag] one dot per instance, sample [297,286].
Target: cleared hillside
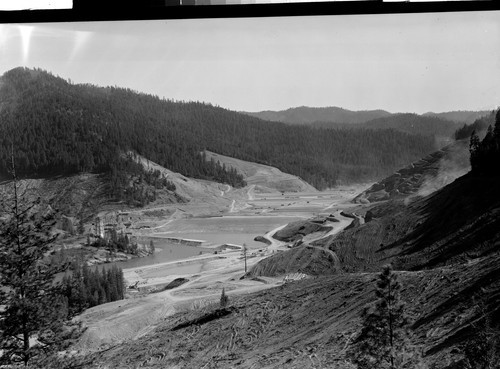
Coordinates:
[423,176]
[310,323]
[264,177]
[81,197]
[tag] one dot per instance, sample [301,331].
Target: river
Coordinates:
[236,230]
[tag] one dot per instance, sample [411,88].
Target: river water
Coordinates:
[237,230]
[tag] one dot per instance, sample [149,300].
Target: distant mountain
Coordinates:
[306,114]
[459,116]
[441,125]
[415,124]
[403,122]
[325,115]
[58,128]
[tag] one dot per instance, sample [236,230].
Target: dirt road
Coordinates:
[127,319]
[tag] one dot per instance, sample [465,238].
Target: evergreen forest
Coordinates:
[85,287]
[57,128]
[403,122]
[479,125]
[485,154]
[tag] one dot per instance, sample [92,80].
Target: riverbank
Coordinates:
[207,274]
[101,256]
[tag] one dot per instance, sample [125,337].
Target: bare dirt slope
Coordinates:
[304,259]
[189,188]
[77,196]
[309,324]
[298,230]
[265,178]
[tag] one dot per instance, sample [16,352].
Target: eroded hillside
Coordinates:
[455,224]
[264,177]
[309,324]
[423,176]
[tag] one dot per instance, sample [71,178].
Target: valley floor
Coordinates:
[208,274]
[310,322]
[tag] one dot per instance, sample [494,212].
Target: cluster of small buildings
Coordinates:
[105,227]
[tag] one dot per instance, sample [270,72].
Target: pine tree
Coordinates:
[224,300]
[496,130]
[384,338]
[244,251]
[27,291]
[485,154]
[474,144]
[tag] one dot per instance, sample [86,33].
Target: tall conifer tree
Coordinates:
[383,342]
[26,279]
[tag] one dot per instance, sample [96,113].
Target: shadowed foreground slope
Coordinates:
[455,224]
[309,323]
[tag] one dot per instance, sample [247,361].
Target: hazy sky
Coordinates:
[404,62]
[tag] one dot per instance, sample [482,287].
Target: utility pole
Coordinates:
[245,256]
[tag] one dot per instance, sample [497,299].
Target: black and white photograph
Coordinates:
[287,191]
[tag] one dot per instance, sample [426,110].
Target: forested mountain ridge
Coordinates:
[56,127]
[305,114]
[479,126]
[415,124]
[440,125]
[439,128]
[460,116]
